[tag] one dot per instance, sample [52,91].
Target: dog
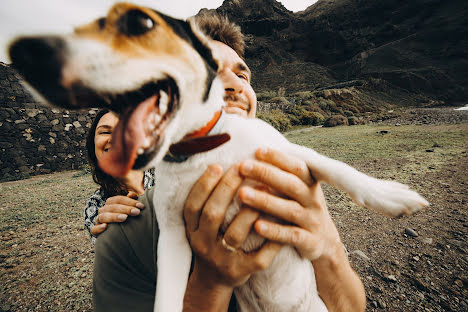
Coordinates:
[159,74]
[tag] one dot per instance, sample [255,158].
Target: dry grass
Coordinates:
[46,258]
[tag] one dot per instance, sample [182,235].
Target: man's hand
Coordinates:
[311,230]
[218,270]
[116,209]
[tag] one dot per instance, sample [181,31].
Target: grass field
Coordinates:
[46,258]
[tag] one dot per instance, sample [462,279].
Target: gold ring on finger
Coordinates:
[227,246]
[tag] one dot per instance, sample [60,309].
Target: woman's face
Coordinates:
[103,134]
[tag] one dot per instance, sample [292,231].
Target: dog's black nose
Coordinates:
[39,58]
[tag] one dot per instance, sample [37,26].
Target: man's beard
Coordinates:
[236,99]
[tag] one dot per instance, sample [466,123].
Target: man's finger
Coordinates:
[282,181]
[286,162]
[283,234]
[215,208]
[261,259]
[284,209]
[198,195]
[240,227]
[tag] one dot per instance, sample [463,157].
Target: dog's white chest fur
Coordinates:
[289,282]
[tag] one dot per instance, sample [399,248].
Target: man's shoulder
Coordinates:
[134,238]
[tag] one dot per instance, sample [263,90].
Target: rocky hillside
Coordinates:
[418,46]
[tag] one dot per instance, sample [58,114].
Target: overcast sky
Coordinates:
[19,17]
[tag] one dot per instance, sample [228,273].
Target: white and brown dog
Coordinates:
[159,74]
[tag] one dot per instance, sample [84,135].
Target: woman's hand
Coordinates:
[116,209]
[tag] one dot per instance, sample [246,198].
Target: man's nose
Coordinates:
[232,83]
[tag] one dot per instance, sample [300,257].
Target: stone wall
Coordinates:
[35,138]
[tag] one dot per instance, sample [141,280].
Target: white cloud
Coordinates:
[20,17]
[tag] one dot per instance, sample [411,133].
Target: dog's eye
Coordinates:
[135,23]
[101,22]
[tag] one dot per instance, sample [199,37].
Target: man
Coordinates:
[125,271]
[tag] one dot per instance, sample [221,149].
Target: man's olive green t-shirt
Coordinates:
[125,270]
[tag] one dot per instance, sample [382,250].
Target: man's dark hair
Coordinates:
[219,28]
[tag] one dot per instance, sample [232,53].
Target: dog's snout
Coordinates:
[38,56]
[40,60]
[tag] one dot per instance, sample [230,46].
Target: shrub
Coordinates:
[276,118]
[279,100]
[335,120]
[348,113]
[281,91]
[312,118]
[265,95]
[352,120]
[304,95]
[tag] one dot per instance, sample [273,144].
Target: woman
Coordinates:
[115,199]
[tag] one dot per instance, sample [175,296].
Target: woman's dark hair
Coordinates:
[110,185]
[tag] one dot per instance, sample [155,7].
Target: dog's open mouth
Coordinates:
[143,117]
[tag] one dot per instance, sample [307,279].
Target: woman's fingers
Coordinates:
[98,229]
[124,200]
[110,217]
[119,208]
[198,195]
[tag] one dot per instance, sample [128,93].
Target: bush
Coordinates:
[348,113]
[279,100]
[265,95]
[336,120]
[277,119]
[352,120]
[304,95]
[312,118]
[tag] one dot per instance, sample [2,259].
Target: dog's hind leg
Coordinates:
[388,197]
[174,258]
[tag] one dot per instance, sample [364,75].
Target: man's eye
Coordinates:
[105,132]
[242,76]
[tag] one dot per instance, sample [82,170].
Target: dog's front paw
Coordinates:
[390,198]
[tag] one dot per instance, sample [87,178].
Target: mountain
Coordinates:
[417,46]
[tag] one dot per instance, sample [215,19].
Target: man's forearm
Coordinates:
[201,295]
[338,284]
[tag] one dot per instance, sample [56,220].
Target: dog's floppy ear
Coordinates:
[184,30]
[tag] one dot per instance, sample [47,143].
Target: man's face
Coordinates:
[239,96]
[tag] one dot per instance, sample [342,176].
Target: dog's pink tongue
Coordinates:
[127,137]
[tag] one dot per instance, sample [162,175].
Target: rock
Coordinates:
[411,233]
[430,150]
[391,278]
[360,254]
[426,240]
[381,304]
[419,284]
